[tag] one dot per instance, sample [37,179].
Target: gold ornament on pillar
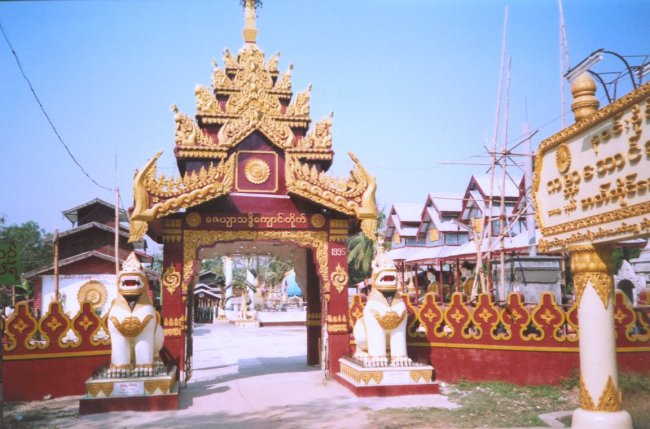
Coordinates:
[610,399]
[188,272]
[171,279]
[589,264]
[339,278]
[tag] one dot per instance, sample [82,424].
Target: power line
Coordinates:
[22,72]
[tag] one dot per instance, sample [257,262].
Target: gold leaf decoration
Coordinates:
[320,137]
[338,194]
[595,266]
[172,194]
[300,107]
[389,320]
[131,326]
[602,283]
[206,103]
[339,278]
[424,375]
[188,134]
[171,279]
[610,399]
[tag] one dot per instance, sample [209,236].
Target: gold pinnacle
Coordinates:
[585,102]
[250,32]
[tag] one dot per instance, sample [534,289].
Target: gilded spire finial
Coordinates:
[585,103]
[250,32]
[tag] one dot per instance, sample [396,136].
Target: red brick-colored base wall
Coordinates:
[30,380]
[515,343]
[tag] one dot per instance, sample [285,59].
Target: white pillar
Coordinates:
[227,272]
[600,399]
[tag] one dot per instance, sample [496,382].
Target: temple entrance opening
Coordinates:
[244,285]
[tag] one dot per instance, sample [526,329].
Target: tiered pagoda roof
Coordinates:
[90,245]
[249,95]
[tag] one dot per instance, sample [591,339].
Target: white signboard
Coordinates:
[592,180]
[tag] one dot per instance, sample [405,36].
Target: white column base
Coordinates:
[583,419]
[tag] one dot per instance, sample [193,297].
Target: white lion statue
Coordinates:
[384,319]
[133,323]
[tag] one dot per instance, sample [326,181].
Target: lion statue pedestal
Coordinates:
[136,379]
[381,366]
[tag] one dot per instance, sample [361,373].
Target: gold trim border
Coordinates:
[34,356]
[518,348]
[611,216]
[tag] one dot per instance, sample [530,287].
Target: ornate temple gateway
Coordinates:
[253,180]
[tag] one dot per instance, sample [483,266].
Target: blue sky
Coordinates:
[412,84]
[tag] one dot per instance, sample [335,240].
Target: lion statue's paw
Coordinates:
[400,361]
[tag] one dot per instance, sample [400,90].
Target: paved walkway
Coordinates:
[249,378]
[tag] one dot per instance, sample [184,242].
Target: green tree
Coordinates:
[361,251]
[215,265]
[620,254]
[34,246]
[272,270]
[157,263]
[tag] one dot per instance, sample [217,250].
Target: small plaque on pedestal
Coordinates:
[221,320]
[386,381]
[128,388]
[247,323]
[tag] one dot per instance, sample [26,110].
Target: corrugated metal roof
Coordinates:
[446,202]
[402,253]
[426,254]
[449,226]
[511,190]
[409,231]
[408,212]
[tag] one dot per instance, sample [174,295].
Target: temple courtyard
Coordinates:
[257,378]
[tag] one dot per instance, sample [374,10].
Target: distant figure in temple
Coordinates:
[292,287]
[467,277]
[243,307]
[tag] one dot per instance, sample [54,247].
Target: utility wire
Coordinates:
[20,67]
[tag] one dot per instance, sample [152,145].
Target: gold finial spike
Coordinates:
[250,32]
[585,103]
